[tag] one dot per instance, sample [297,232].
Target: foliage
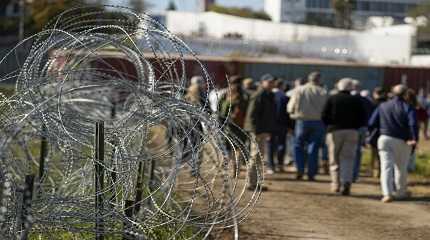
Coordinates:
[138,5]
[240,12]
[343,10]
[42,11]
[422,9]
[171,6]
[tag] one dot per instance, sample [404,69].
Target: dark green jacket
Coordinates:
[261,114]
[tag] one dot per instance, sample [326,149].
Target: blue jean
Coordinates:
[276,146]
[358,153]
[310,135]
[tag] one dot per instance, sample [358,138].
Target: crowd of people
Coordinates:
[312,121]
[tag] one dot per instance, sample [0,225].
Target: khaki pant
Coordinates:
[342,146]
[255,168]
[394,154]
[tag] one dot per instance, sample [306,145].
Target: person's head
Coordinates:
[197,80]
[356,85]
[365,93]
[399,90]
[279,84]
[235,79]
[379,93]
[248,84]
[267,81]
[411,97]
[299,82]
[345,84]
[314,77]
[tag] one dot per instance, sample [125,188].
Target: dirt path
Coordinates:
[307,210]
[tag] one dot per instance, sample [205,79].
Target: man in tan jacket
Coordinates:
[305,106]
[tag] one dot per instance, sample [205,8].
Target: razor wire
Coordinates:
[169,169]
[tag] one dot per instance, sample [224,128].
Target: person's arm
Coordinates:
[364,113]
[413,124]
[291,107]
[374,119]
[326,113]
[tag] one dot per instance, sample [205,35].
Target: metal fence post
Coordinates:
[99,178]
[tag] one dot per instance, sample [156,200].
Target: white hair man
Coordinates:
[343,114]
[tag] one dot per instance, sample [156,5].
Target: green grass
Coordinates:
[422,163]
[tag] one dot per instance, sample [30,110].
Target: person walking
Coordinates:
[369,107]
[398,126]
[276,146]
[260,122]
[343,114]
[379,96]
[305,106]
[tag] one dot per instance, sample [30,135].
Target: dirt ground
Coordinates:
[307,210]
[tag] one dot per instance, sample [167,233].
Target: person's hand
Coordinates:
[411,142]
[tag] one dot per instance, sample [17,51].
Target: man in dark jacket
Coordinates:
[276,146]
[260,122]
[343,115]
[397,124]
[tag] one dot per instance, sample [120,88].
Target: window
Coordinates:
[317,3]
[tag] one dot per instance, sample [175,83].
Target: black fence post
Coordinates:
[139,187]
[43,154]
[25,217]
[128,210]
[99,178]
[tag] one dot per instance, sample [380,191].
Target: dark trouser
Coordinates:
[276,146]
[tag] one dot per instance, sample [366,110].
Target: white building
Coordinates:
[302,11]
[392,44]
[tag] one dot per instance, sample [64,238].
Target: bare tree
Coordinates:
[138,5]
[343,12]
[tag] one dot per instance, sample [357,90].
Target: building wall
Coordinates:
[387,45]
[298,11]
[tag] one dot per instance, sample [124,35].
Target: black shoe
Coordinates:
[262,188]
[311,179]
[299,176]
[346,191]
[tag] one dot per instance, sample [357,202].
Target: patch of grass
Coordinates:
[423,164]
[7,89]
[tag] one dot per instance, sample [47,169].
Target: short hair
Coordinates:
[197,80]
[399,90]
[267,77]
[235,79]
[279,84]
[314,77]
[345,84]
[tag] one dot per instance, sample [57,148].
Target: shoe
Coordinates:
[335,189]
[325,167]
[262,188]
[404,196]
[311,179]
[270,172]
[387,199]
[346,191]
[299,176]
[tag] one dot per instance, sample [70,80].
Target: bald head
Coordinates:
[399,90]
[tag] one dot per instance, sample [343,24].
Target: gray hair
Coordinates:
[314,77]
[345,84]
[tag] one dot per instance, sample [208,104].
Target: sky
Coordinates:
[190,5]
